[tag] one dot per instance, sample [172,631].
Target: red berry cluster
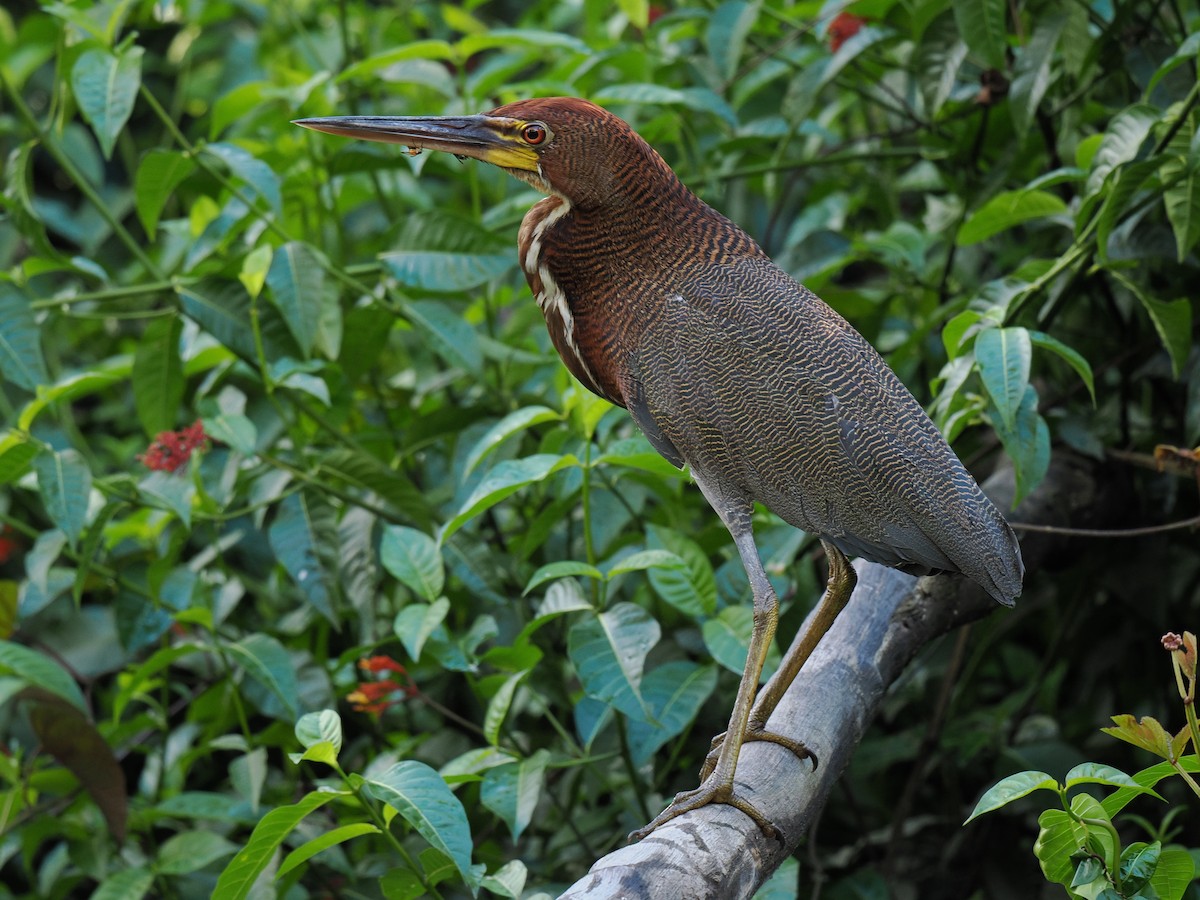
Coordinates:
[843,27]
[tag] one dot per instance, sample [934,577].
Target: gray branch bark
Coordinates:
[717,852]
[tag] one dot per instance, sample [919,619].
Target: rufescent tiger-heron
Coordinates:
[661,305]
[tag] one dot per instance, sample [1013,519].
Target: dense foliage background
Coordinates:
[398,508]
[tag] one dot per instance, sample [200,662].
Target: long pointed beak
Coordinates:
[489,138]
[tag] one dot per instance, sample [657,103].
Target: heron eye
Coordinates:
[534,133]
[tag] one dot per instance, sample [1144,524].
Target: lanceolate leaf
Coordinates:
[38,670]
[297,280]
[239,876]
[304,538]
[421,797]
[675,693]
[504,479]
[222,308]
[1172,320]
[268,663]
[20,344]
[1181,174]
[1008,210]
[157,177]
[982,25]
[939,56]
[1121,143]
[1033,71]
[609,652]
[514,423]
[1027,443]
[451,337]
[158,375]
[414,558]
[512,791]
[106,87]
[692,588]
[726,35]
[1012,788]
[65,481]
[1071,356]
[1004,356]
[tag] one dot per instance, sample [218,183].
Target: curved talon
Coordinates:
[686,801]
[756,734]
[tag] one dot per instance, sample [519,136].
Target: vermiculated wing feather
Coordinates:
[790,406]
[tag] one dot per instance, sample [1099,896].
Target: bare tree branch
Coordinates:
[717,852]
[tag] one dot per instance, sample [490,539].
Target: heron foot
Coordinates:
[756,733]
[710,791]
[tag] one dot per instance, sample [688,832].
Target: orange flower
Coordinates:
[376,697]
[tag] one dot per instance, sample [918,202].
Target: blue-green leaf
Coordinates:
[1004,356]
[21,360]
[65,482]
[413,557]
[297,283]
[268,663]
[259,177]
[422,798]
[451,336]
[692,589]
[36,669]
[304,538]
[1072,357]
[675,693]
[158,382]
[512,791]
[609,652]
[106,87]
[416,622]
[1027,443]
[726,34]
[514,423]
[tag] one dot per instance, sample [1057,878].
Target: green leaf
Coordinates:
[725,37]
[416,622]
[160,172]
[1072,357]
[1138,862]
[1007,210]
[304,538]
[414,559]
[1174,873]
[421,797]
[126,884]
[505,479]
[609,651]
[105,88]
[1125,135]
[1004,356]
[561,569]
[222,308]
[1027,443]
[1096,773]
[40,671]
[512,791]
[440,252]
[190,851]
[158,382]
[1059,837]
[938,59]
[727,639]
[167,490]
[982,25]
[1172,320]
[675,692]
[1147,778]
[17,452]
[259,178]
[507,881]
[498,706]
[1014,787]
[512,424]
[267,662]
[691,589]
[320,727]
[21,359]
[1181,175]
[239,876]
[368,473]
[65,482]
[645,559]
[297,283]
[450,335]
[311,848]
[1032,75]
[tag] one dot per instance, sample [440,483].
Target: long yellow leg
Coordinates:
[749,718]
